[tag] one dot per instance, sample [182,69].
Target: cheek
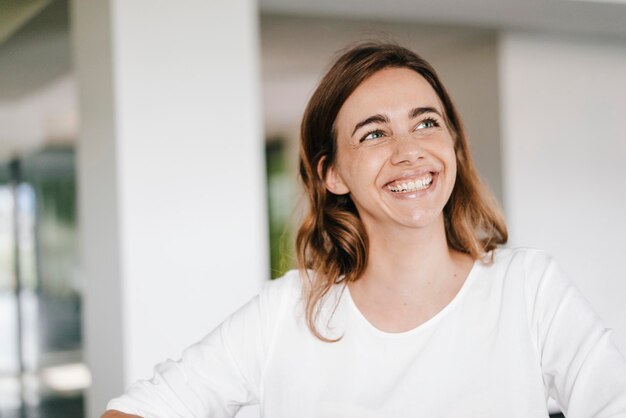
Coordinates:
[450,155]
[453,162]
[452,172]
[452,169]
[368,166]
[447,155]
[360,168]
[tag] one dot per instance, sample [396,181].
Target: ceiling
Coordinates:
[603,18]
[37,51]
[35,43]
[15,13]
[294,46]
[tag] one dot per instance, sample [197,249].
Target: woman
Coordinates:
[403,305]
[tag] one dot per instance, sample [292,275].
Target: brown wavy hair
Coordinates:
[331,240]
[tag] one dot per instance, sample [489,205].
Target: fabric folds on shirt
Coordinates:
[517,332]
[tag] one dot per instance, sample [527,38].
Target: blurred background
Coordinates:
[148,157]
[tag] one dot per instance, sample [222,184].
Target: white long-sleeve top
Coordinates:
[517,332]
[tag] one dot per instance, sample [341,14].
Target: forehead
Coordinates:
[388,91]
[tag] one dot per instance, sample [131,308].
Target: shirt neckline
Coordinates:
[424,325]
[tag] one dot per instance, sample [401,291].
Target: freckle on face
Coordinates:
[367,167]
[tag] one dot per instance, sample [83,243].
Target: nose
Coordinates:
[406,150]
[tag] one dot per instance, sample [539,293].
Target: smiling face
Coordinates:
[395,154]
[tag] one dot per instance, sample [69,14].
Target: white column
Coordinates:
[563,108]
[171,177]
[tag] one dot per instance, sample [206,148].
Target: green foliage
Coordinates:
[280,207]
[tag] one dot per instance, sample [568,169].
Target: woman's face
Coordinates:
[395,154]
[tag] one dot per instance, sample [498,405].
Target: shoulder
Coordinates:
[531,269]
[254,325]
[526,256]
[277,295]
[538,274]
[264,310]
[525,261]
[288,286]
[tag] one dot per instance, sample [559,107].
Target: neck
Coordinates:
[403,261]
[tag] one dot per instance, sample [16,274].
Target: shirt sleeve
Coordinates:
[582,367]
[218,374]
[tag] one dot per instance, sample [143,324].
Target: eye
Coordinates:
[376,134]
[428,123]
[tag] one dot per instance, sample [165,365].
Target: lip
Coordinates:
[413,174]
[417,193]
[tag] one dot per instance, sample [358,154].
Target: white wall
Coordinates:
[564,141]
[171,170]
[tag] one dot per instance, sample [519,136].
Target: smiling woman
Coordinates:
[379,123]
[403,303]
[397,156]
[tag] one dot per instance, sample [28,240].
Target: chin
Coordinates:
[423,219]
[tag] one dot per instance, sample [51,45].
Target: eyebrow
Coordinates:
[372,119]
[421,110]
[378,118]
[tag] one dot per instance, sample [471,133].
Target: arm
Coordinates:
[215,376]
[582,367]
[205,382]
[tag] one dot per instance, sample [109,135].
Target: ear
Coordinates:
[332,179]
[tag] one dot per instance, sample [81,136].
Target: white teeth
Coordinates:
[411,186]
